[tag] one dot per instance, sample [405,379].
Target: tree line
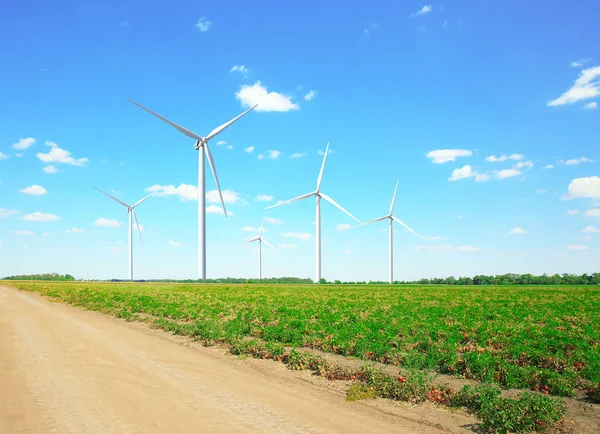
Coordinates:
[46,276]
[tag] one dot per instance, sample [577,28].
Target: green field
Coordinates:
[540,338]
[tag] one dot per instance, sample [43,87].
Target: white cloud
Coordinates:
[40,217]
[300,235]
[503,158]
[348,251]
[588,187]
[343,226]
[462,173]
[7,212]
[577,247]
[221,142]
[541,191]
[271,155]
[584,87]
[23,144]
[574,161]
[517,231]
[594,212]
[298,155]
[184,191]
[3,156]
[435,238]
[50,169]
[215,209]
[310,95]
[229,147]
[58,155]
[578,63]
[274,221]
[288,246]
[249,149]
[22,233]
[267,101]
[424,10]
[104,223]
[229,196]
[19,154]
[548,166]
[174,243]
[591,229]
[468,249]
[482,177]
[591,105]
[264,198]
[445,155]
[203,24]
[34,190]
[74,231]
[507,173]
[523,165]
[241,69]
[572,212]
[322,152]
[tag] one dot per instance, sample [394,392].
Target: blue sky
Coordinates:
[467,104]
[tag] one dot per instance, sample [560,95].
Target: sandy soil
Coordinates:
[63,369]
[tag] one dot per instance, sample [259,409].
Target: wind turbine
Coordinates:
[201,142]
[391,219]
[318,194]
[130,211]
[261,240]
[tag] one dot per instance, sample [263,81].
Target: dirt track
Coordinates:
[67,370]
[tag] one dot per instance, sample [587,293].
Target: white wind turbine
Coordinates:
[318,194]
[201,142]
[261,240]
[130,212]
[391,219]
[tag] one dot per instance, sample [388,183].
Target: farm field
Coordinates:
[541,338]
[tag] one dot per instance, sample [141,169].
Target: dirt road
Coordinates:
[63,369]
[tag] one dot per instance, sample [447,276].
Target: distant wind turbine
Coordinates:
[318,194]
[261,240]
[130,212]
[391,219]
[201,142]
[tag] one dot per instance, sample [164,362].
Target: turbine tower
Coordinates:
[130,212]
[391,219]
[261,240]
[318,194]
[201,143]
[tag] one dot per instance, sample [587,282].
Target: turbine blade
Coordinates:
[226,124]
[337,205]
[269,244]
[304,196]
[372,221]
[141,200]
[211,163]
[113,198]
[404,224]
[394,198]
[253,239]
[181,129]
[262,225]
[138,225]
[320,178]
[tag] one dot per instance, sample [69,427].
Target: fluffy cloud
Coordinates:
[34,190]
[24,143]
[249,149]
[588,187]
[22,233]
[343,226]
[7,212]
[445,155]
[577,247]
[591,105]
[502,158]
[578,63]
[300,235]
[298,155]
[271,155]
[40,217]
[310,95]
[574,161]
[203,24]
[74,231]
[288,246]
[215,209]
[229,196]
[507,173]
[184,191]
[424,10]
[274,221]
[468,172]
[590,229]
[174,243]
[58,155]
[517,231]
[50,169]
[221,142]
[267,101]
[523,165]
[264,198]
[104,223]
[595,212]
[586,86]
[241,69]
[548,166]
[572,212]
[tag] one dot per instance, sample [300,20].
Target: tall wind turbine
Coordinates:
[130,211]
[261,240]
[201,142]
[318,194]
[391,219]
